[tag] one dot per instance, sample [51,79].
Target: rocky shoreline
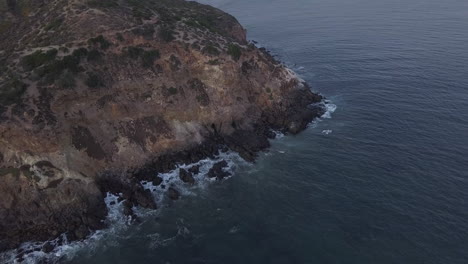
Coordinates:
[128,185]
[88,112]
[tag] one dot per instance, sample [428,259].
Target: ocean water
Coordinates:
[382,178]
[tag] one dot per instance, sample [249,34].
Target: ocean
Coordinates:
[381,178]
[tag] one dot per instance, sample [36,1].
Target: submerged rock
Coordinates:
[173,194]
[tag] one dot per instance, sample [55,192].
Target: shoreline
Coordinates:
[129,187]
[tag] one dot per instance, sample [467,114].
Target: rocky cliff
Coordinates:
[97,95]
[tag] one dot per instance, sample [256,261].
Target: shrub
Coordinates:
[37,59]
[119,37]
[214,62]
[66,80]
[94,81]
[172,91]
[235,51]
[166,34]
[102,3]
[211,50]
[54,24]
[146,31]
[12,91]
[94,55]
[80,53]
[134,52]
[149,57]
[70,62]
[103,43]
[64,49]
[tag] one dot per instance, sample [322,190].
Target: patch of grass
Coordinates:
[101,41]
[235,51]
[11,91]
[38,58]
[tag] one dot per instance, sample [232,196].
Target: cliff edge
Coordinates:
[97,95]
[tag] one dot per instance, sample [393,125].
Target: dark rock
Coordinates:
[157,181]
[127,208]
[218,171]
[173,194]
[131,190]
[144,198]
[271,134]
[47,247]
[247,143]
[82,232]
[186,176]
[195,169]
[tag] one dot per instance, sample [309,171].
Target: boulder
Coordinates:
[218,170]
[186,176]
[173,194]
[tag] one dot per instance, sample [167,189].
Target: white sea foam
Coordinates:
[63,249]
[327,131]
[278,134]
[118,222]
[31,252]
[329,109]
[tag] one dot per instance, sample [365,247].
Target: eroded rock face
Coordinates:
[97,97]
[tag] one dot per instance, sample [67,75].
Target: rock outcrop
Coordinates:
[97,95]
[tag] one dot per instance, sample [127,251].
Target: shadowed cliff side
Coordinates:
[97,95]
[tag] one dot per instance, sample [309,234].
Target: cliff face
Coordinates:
[93,88]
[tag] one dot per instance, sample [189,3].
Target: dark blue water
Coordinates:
[385,180]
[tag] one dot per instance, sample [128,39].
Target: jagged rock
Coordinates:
[186,176]
[82,232]
[157,181]
[47,247]
[173,194]
[218,170]
[195,169]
